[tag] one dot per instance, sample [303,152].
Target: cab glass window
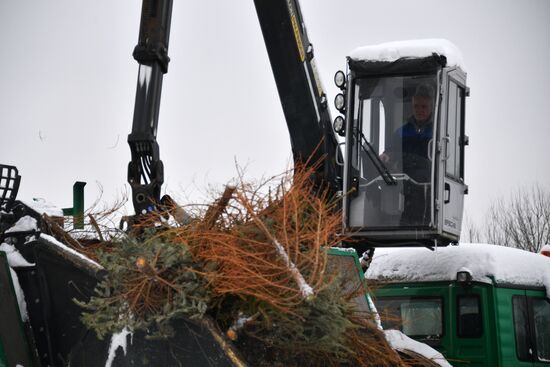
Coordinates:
[393,148]
[521,328]
[350,280]
[469,322]
[421,318]
[541,321]
[454,130]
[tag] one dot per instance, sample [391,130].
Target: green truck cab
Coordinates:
[479,305]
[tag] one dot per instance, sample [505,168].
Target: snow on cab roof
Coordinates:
[393,51]
[486,263]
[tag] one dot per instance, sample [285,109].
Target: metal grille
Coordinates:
[9,185]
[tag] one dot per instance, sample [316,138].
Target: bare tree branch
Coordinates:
[522,220]
[471,232]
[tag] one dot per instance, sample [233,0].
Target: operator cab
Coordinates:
[404,105]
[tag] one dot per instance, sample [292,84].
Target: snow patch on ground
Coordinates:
[118,340]
[393,51]
[24,224]
[486,263]
[55,242]
[400,341]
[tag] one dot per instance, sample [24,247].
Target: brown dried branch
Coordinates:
[94,224]
[216,210]
[247,247]
[59,233]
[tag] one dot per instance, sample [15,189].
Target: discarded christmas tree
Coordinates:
[257,263]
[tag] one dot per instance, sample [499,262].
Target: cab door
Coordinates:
[473,332]
[532,327]
[451,144]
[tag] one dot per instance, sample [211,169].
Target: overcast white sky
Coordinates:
[67,89]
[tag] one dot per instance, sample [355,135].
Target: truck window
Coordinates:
[393,135]
[350,281]
[469,322]
[420,318]
[532,328]
[541,320]
[453,137]
[521,328]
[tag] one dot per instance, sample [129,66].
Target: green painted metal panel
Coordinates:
[77,211]
[505,327]
[479,350]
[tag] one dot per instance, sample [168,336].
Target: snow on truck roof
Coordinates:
[486,263]
[393,51]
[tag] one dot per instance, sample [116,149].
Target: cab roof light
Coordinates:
[464,277]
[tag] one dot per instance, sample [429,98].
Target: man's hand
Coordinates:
[384,157]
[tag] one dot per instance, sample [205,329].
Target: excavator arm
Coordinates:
[145,170]
[302,96]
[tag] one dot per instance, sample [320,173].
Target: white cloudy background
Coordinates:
[67,86]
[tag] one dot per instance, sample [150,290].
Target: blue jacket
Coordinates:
[412,140]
